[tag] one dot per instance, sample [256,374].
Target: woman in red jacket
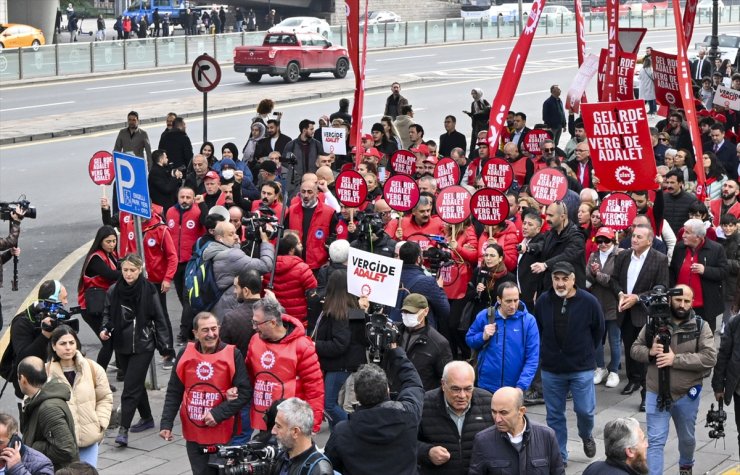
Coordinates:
[99,271]
[293,278]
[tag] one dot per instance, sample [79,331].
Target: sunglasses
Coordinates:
[548,149]
[663,139]
[602,241]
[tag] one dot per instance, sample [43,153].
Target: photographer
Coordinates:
[415,280]
[726,378]
[164,181]
[299,455]
[380,426]
[10,246]
[690,355]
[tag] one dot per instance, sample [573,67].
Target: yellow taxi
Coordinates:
[15,35]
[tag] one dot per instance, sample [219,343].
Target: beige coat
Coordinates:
[91,402]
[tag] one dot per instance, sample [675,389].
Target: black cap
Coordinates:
[563,267]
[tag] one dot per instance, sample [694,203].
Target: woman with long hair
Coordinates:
[684,161]
[134,321]
[340,341]
[390,131]
[487,277]
[100,270]
[715,175]
[208,151]
[91,399]
[585,210]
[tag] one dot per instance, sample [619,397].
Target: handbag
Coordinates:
[95,301]
[466,316]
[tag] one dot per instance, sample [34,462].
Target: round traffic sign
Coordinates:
[206,73]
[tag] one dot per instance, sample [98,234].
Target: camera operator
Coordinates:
[10,246]
[371,236]
[380,426]
[164,181]
[690,354]
[292,429]
[726,378]
[417,281]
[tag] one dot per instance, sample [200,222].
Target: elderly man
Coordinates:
[312,220]
[582,166]
[16,458]
[515,442]
[701,264]
[522,166]
[445,448]
[625,446]
[196,178]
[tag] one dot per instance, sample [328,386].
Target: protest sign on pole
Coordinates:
[453,204]
[617,211]
[403,162]
[625,76]
[401,193]
[498,174]
[533,138]
[728,98]
[610,77]
[601,76]
[334,140]
[351,188]
[447,173]
[665,78]
[101,168]
[577,89]
[373,276]
[548,185]
[356,36]
[620,145]
[489,207]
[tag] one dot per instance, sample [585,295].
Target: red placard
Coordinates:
[665,76]
[401,192]
[453,204]
[497,174]
[489,207]
[626,76]
[101,168]
[620,145]
[532,139]
[403,162]
[548,185]
[447,173]
[351,189]
[617,211]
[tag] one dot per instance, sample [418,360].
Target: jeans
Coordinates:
[683,413]
[615,347]
[246,433]
[555,387]
[333,382]
[89,454]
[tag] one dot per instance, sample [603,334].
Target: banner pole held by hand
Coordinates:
[102,187]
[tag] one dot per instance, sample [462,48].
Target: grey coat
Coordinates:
[600,287]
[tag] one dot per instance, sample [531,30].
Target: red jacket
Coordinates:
[315,243]
[715,207]
[505,238]
[456,277]
[185,229]
[293,278]
[127,241]
[283,369]
[160,253]
[414,232]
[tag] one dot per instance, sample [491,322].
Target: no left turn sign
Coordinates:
[206,73]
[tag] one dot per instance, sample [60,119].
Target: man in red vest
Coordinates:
[313,221]
[726,203]
[209,386]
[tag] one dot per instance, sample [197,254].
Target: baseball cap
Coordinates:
[563,267]
[227,162]
[422,148]
[481,143]
[372,152]
[414,302]
[211,175]
[605,232]
[432,159]
[367,137]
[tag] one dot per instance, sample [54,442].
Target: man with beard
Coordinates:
[677,201]
[563,242]
[690,355]
[312,220]
[625,447]
[571,324]
[414,226]
[306,151]
[579,136]
[292,430]
[395,101]
[726,203]
[133,139]
[269,196]
[273,141]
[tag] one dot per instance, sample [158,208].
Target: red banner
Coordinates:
[687,99]
[620,145]
[514,67]
[548,185]
[581,44]
[601,76]
[357,57]
[689,15]
[401,193]
[610,78]
[531,141]
[576,92]
[404,162]
[665,70]
[617,211]
[101,168]
[453,204]
[497,174]
[626,76]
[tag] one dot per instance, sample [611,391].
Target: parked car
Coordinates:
[704,8]
[728,47]
[15,35]
[557,14]
[293,56]
[376,17]
[302,24]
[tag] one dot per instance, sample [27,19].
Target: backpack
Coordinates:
[200,281]
[312,461]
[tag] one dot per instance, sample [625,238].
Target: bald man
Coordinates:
[445,447]
[514,439]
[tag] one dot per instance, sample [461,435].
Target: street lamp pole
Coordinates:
[714,41]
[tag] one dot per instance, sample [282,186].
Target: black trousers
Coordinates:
[163,302]
[736,398]
[635,370]
[134,396]
[712,321]
[106,349]
[186,317]
[199,460]
[456,336]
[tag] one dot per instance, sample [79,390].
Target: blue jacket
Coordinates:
[512,354]
[32,462]
[416,281]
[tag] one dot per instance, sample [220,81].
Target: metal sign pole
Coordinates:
[205,117]
[140,246]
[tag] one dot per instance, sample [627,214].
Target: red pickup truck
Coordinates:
[292,56]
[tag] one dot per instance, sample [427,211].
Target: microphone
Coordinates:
[482,277]
[441,240]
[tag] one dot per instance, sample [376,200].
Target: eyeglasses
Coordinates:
[548,149]
[458,390]
[257,324]
[663,139]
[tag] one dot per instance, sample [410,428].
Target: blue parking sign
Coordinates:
[132,185]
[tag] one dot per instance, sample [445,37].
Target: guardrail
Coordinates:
[137,54]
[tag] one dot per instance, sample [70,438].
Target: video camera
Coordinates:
[438,256]
[369,224]
[716,421]
[258,221]
[252,458]
[381,333]
[23,204]
[58,314]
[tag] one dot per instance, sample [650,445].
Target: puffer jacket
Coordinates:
[511,355]
[293,278]
[507,239]
[465,255]
[32,462]
[600,286]
[91,399]
[437,428]
[726,375]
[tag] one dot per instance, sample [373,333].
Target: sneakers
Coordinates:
[167,363]
[589,447]
[122,439]
[600,374]
[142,425]
[612,381]
[533,397]
[684,470]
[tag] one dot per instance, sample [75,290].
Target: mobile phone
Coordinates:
[13,440]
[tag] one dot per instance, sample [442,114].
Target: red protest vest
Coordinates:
[520,170]
[127,241]
[206,378]
[95,282]
[715,207]
[318,231]
[185,229]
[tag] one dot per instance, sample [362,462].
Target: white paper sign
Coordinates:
[373,276]
[727,97]
[334,140]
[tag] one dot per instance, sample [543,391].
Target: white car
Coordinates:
[555,14]
[302,24]
[704,8]
[376,17]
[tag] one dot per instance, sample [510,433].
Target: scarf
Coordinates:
[130,295]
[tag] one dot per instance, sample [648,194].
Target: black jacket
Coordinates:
[385,246]
[428,350]
[236,327]
[178,147]
[529,282]
[341,344]
[494,454]
[727,370]
[263,147]
[676,209]
[414,279]
[300,464]
[389,428]
[26,340]
[568,246]
[712,256]
[553,113]
[654,272]
[731,245]
[437,428]
[163,186]
[609,467]
[448,141]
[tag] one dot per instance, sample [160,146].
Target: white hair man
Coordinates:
[292,429]
[625,446]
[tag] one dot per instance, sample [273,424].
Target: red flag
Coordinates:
[689,15]
[610,79]
[514,67]
[581,38]
[357,57]
[687,99]
[625,76]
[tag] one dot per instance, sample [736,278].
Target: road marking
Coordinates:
[37,106]
[406,57]
[508,48]
[128,85]
[191,88]
[215,140]
[465,60]
[561,50]
[370,116]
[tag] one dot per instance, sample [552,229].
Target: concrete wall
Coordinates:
[408,10]
[38,13]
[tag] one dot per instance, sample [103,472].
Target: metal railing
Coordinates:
[139,54]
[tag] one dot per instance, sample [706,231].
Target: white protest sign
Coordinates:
[727,97]
[334,140]
[373,276]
